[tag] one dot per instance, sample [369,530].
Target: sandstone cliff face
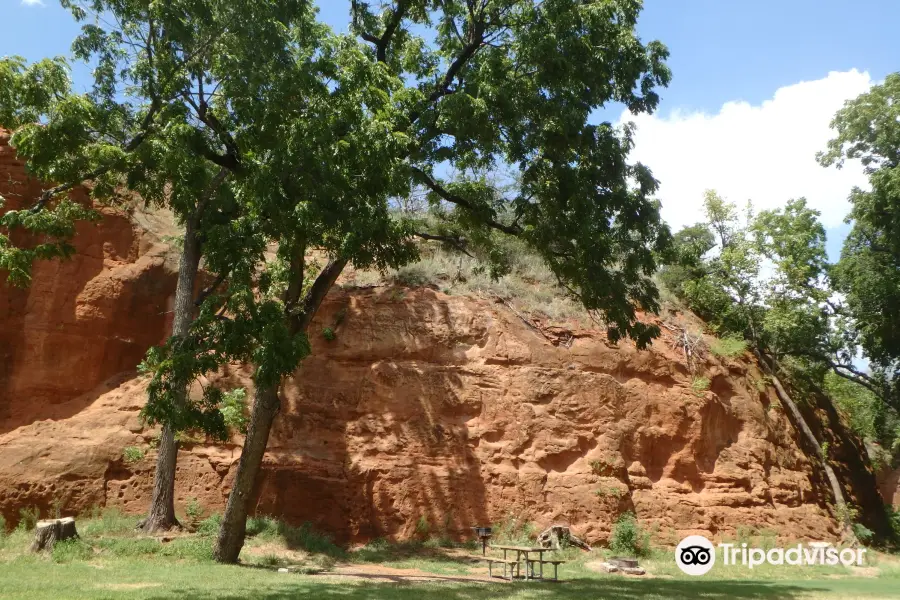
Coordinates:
[452,409]
[81,320]
[446,408]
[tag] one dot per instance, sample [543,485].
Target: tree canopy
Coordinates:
[772,285]
[304,137]
[868,273]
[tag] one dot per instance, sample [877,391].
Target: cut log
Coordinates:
[47,533]
[560,536]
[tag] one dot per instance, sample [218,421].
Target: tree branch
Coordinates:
[381,43]
[445,194]
[204,294]
[393,24]
[231,159]
[316,294]
[297,273]
[131,146]
[457,242]
[850,373]
[47,195]
[476,40]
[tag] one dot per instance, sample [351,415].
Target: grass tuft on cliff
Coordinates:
[529,286]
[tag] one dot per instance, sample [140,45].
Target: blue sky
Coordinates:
[722,50]
[753,80]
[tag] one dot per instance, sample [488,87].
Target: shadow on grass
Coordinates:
[610,589]
[395,552]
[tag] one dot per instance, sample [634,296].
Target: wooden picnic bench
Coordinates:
[541,562]
[530,563]
[508,565]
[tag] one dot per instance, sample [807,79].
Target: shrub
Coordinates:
[129,547]
[376,550]
[700,385]
[847,515]
[328,333]
[262,526]
[762,538]
[759,384]
[2,526]
[271,560]
[193,548]
[603,467]
[307,538]
[71,550]
[108,521]
[209,525]
[513,531]
[612,491]
[325,562]
[234,409]
[530,285]
[729,346]
[422,527]
[304,537]
[894,519]
[132,454]
[439,541]
[194,511]
[863,533]
[28,518]
[629,538]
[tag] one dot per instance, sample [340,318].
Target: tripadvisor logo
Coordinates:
[696,555]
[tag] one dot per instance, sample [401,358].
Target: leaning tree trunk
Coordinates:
[47,533]
[234,523]
[265,407]
[839,500]
[162,505]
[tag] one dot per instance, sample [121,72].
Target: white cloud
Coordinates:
[765,153]
[32,3]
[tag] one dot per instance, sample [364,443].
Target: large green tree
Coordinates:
[422,89]
[159,121]
[308,136]
[868,273]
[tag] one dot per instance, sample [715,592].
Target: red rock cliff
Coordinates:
[81,320]
[425,405]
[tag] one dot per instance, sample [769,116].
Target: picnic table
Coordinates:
[524,551]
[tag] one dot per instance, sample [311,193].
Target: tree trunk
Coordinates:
[47,533]
[265,407]
[162,505]
[560,536]
[839,500]
[234,523]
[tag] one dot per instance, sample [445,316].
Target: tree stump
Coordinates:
[558,536]
[47,533]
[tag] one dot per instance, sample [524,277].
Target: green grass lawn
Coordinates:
[111,561]
[154,579]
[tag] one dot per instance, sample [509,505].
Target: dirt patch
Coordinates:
[383,574]
[122,587]
[264,549]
